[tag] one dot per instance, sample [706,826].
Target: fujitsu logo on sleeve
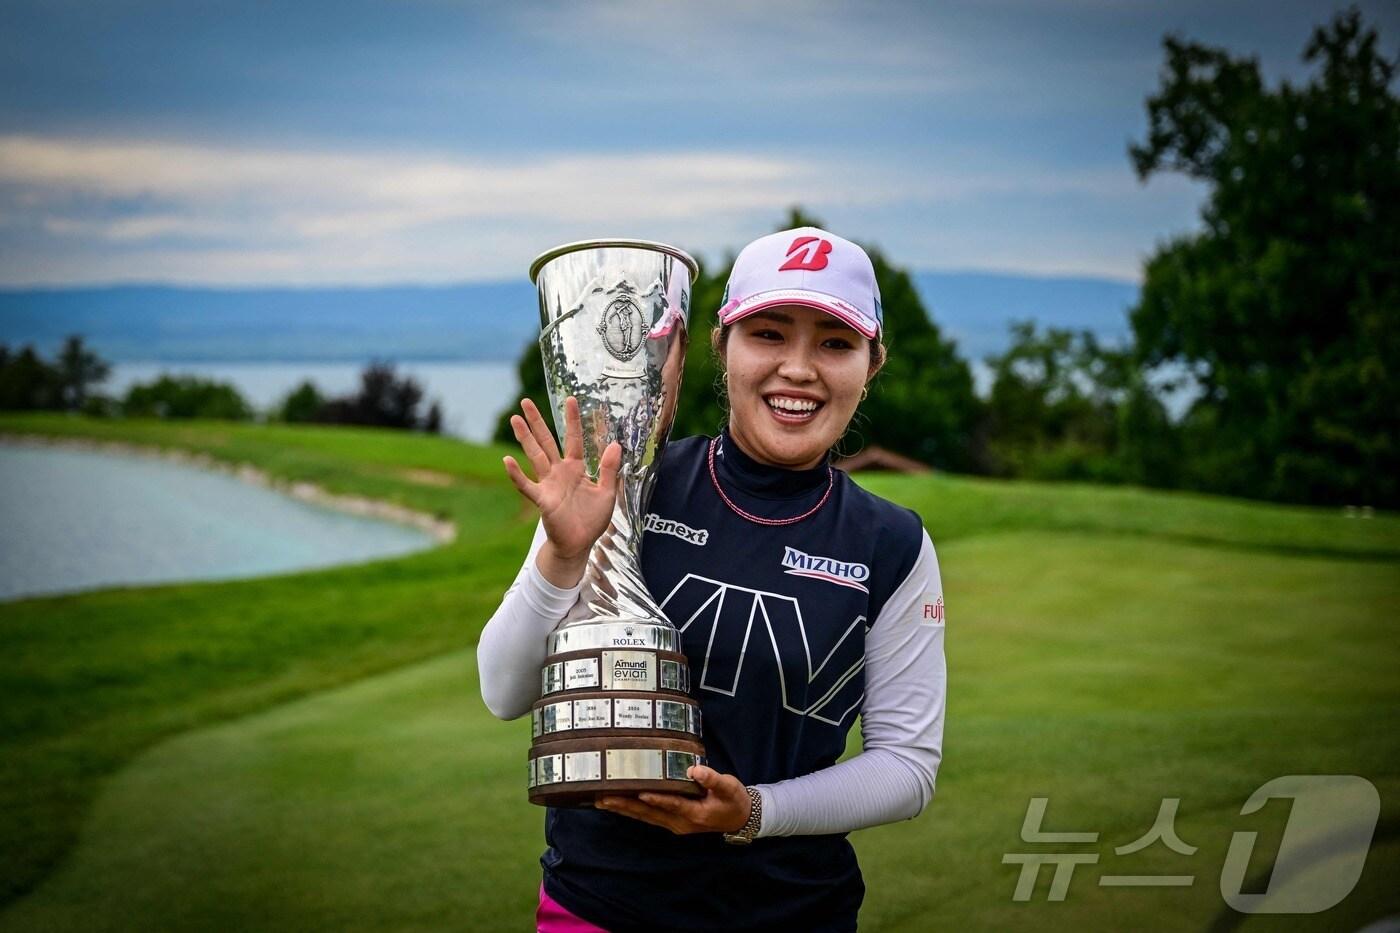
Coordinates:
[931,609]
[842,573]
[806,254]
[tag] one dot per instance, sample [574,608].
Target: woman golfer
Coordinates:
[805,602]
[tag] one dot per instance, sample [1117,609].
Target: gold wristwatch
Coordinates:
[744,835]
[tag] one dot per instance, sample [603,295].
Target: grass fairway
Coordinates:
[310,751]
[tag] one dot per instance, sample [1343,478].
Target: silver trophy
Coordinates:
[615,715]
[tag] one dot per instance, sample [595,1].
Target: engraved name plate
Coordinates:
[629,670]
[632,714]
[557,717]
[677,763]
[580,672]
[673,675]
[672,715]
[549,769]
[592,714]
[583,766]
[634,764]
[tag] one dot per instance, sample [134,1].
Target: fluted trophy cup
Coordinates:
[615,715]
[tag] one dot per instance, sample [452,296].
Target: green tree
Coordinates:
[185,397]
[703,408]
[922,404]
[529,375]
[27,382]
[385,400]
[1149,444]
[1053,410]
[78,368]
[1286,306]
[302,404]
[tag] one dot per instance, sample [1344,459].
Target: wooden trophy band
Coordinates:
[574,772]
[591,713]
[616,669]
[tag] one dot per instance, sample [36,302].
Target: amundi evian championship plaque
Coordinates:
[615,714]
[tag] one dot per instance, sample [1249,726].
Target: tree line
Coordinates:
[28,382]
[1278,321]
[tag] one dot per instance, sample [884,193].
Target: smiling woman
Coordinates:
[803,601]
[806,368]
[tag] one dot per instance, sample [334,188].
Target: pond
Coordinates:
[75,520]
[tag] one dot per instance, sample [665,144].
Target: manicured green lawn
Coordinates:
[88,681]
[310,751]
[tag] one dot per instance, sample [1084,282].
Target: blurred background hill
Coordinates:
[471,321]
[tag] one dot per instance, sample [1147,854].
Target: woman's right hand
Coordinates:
[574,509]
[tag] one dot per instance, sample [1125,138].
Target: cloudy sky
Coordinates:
[351,142]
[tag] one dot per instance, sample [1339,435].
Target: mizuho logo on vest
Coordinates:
[842,573]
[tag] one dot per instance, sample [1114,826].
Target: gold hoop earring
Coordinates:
[865,392]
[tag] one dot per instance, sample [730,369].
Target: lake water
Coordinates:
[76,520]
[472,395]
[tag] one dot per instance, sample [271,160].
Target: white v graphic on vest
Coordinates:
[730,613]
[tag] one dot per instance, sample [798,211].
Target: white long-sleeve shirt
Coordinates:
[902,712]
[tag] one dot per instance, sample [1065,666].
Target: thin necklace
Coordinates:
[759,520]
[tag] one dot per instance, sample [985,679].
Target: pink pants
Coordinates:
[553,918]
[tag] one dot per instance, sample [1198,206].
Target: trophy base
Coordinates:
[575,772]
[583,795]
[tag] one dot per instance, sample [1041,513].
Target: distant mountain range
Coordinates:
[481,321]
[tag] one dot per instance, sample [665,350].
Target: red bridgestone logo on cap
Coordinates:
[804,256]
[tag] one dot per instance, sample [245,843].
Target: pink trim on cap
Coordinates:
[735,312]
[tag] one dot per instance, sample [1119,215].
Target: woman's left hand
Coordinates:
[723,809]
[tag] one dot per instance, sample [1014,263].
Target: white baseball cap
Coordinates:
[806,266]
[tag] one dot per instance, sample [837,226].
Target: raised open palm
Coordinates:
[575,510]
